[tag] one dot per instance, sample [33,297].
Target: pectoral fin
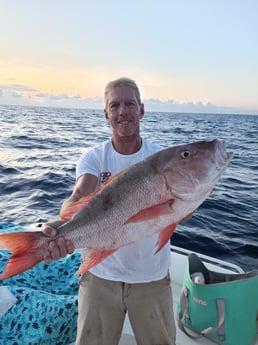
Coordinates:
[152,212]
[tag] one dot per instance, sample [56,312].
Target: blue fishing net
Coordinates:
[46,309]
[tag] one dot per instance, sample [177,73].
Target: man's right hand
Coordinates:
[58,246]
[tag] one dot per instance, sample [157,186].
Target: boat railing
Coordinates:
[211,261]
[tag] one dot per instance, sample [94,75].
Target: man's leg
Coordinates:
[150,311]
[101,311]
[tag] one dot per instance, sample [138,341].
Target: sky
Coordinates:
[185,55]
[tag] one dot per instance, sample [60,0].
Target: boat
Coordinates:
[49,292]
[179,257]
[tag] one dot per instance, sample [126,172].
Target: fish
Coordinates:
[152,196]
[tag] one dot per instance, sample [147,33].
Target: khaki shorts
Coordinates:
[104,303]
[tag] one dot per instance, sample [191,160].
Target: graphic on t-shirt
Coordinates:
[104,176]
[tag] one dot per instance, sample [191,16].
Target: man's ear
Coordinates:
[142,111]
[106,115]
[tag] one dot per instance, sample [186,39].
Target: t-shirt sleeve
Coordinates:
[88,164]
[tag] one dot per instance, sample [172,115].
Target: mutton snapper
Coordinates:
[150,197]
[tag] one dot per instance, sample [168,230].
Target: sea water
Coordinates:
[39,148]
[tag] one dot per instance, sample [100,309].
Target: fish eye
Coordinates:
[185,154]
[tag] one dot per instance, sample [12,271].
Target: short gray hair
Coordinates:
[122,81]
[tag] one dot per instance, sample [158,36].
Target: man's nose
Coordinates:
[122,109]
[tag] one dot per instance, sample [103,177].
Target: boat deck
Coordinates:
[181,339]
[178,265]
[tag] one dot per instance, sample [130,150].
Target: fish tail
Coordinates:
[25,251]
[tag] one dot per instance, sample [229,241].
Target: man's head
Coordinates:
[123,107]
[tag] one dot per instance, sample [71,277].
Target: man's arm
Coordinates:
[59,248]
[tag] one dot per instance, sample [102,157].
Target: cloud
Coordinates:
[17,88]
[16,94]
[191,107]
[15,91]
[66,100]
[57,97]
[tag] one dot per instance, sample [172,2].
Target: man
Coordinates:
[133,279]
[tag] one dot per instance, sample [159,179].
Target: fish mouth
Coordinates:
[223,156]
[222,159]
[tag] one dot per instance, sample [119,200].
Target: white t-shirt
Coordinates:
[137,262]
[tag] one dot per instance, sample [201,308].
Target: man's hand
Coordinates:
[58,247]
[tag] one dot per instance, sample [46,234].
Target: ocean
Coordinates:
[39,148]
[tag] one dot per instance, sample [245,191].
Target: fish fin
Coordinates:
[151,212]
[92,257]
[25,253]
[164,236]
[72,210]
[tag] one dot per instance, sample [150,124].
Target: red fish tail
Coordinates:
[25,251]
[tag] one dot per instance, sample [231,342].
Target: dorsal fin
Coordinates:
[72,210]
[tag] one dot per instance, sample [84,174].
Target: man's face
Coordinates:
[123,111]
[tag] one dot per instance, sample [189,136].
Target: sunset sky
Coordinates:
[186,55]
